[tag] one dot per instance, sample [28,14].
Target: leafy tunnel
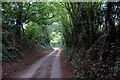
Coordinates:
[87,32]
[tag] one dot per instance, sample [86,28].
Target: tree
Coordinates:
[21,13]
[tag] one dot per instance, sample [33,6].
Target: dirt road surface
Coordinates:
[46,67]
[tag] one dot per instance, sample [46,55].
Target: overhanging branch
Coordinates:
[45,18]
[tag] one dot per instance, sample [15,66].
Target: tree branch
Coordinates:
[46,18]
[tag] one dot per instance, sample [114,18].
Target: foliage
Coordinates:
[38,34]
[21,13]
[89,32]
[88,23]
[26,20]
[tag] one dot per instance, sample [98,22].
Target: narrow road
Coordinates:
[46,67]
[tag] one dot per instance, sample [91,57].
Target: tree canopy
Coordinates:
[87,32]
